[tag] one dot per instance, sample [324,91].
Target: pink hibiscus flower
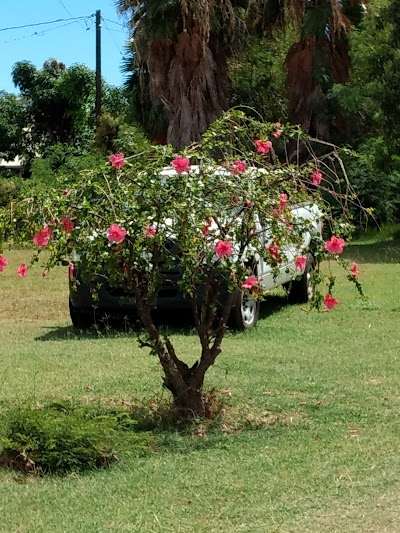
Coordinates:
[301,262]
[149,231]
[335,245]
[223,248]
[116,234]
[117,160]
[71,270]
[330,302]
[283,199]
[278,132]
[206,227]
[316,177]
[42,238]
[238,167]
[250,282]
[181,164]
[263,147]
[3,263]
[22,270]
[274,250]
[67,224]
[354,269]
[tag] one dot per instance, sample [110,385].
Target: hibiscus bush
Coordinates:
[200,214]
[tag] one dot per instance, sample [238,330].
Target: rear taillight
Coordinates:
[71,271]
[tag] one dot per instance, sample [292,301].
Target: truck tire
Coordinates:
[245,311]
[302,291]
[81,319]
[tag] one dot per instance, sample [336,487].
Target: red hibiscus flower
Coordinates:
[22,270]
[316,177]
[3,263]
[116,234]
[283,199]
[301,262]
[354,269]
[238,167]
[223,249]
[181,164]
[117,160]
[330,302]
[42,238]
[67,224]
[149,231]
[251,282]
[263,147]
[335,245]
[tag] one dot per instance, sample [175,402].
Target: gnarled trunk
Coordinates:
[179,54]
[189,77]
[186,383]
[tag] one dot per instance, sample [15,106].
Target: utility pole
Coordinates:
[98,66]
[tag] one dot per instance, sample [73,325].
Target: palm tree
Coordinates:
[179,52]
[319,60]
[178,59]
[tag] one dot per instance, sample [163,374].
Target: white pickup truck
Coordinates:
[245,310]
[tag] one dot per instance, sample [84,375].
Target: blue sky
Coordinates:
[72,43]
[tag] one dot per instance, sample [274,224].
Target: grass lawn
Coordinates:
[317,396]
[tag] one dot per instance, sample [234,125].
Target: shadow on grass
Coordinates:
[378,252]
[273,304]
[172,323]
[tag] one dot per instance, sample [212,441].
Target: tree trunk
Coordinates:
[178,377]
[189,404]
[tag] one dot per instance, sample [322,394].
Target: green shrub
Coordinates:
[257,77]
[106,133]
[375,176]
[41,172]
[131,140]
[61,438]
[74,164]
[8,191]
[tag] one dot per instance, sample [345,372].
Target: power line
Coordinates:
[114,22]
[111,35]
[69,12]
[114,30]
[38,34]
[75,19]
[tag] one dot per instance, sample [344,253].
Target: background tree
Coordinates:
[12,123]
[179,53]
[369,105]
[59,103]
[318,60]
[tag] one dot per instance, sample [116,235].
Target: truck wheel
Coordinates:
[302,291]
[81,319]
[245,311]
